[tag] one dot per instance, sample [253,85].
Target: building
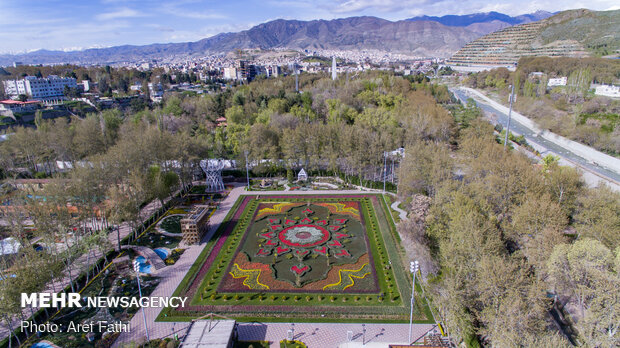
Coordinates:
[156,91]
[558,81]
[302,175]
[230,73]
[608,91]
[195,224]
[273,70]
[85,85]
[8,107]
[334,73]
[46,89]
[211,334]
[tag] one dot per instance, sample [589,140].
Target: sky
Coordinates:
[27,25]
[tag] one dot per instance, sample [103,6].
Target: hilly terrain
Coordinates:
[485,23]
[574,33]
[414,37]
[486,17]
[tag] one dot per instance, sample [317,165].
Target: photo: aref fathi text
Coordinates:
[75,327]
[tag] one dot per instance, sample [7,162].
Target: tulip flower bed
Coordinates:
[301,257]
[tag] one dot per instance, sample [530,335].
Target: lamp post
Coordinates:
[136,267]
[363,334]
[414,266]
[512,97]
[247,172]
[293,330]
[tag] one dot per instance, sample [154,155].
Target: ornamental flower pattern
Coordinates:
[303,246]
[304,236]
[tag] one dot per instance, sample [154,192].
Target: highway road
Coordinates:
[593,173]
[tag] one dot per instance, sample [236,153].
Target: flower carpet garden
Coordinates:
[303,258]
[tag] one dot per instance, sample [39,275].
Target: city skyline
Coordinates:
[73,25]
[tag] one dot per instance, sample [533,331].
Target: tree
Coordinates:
[88,139]
[565,184]
[424,167]
[597,216]
[289,175]
[161,183]
[585,271]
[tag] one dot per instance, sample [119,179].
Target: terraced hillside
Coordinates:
[575,33]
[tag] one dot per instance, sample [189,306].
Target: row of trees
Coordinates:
[500,240]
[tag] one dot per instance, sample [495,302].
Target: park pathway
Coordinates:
[401,213]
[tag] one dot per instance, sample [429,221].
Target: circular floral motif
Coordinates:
[303,236]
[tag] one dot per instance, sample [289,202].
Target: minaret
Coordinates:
[296,80]
[334,68]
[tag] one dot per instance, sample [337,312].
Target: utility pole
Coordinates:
[512,96]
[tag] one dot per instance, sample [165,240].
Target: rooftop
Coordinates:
[209,334]
[17,102]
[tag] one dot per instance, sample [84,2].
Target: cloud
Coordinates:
[124,12]
[352,6]
[160,28]
[192,11]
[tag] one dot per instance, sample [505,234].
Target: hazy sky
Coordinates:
[27,25]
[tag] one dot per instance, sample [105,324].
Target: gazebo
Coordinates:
[302,176]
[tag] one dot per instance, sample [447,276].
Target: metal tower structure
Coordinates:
[213,171]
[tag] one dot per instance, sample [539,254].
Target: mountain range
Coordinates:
[419,36]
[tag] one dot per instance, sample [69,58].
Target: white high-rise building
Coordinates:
[334,68]
[230,73]
[51,87]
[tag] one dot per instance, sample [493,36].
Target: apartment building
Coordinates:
[48,88]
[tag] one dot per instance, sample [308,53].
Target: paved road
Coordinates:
[592,172]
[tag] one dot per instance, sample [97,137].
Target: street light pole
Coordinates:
[512,96]
[413,268]
[247,172]
[363,334]
[136,267]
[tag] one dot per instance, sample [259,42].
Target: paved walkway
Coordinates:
[326,335]
[170,278]
[401,213]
